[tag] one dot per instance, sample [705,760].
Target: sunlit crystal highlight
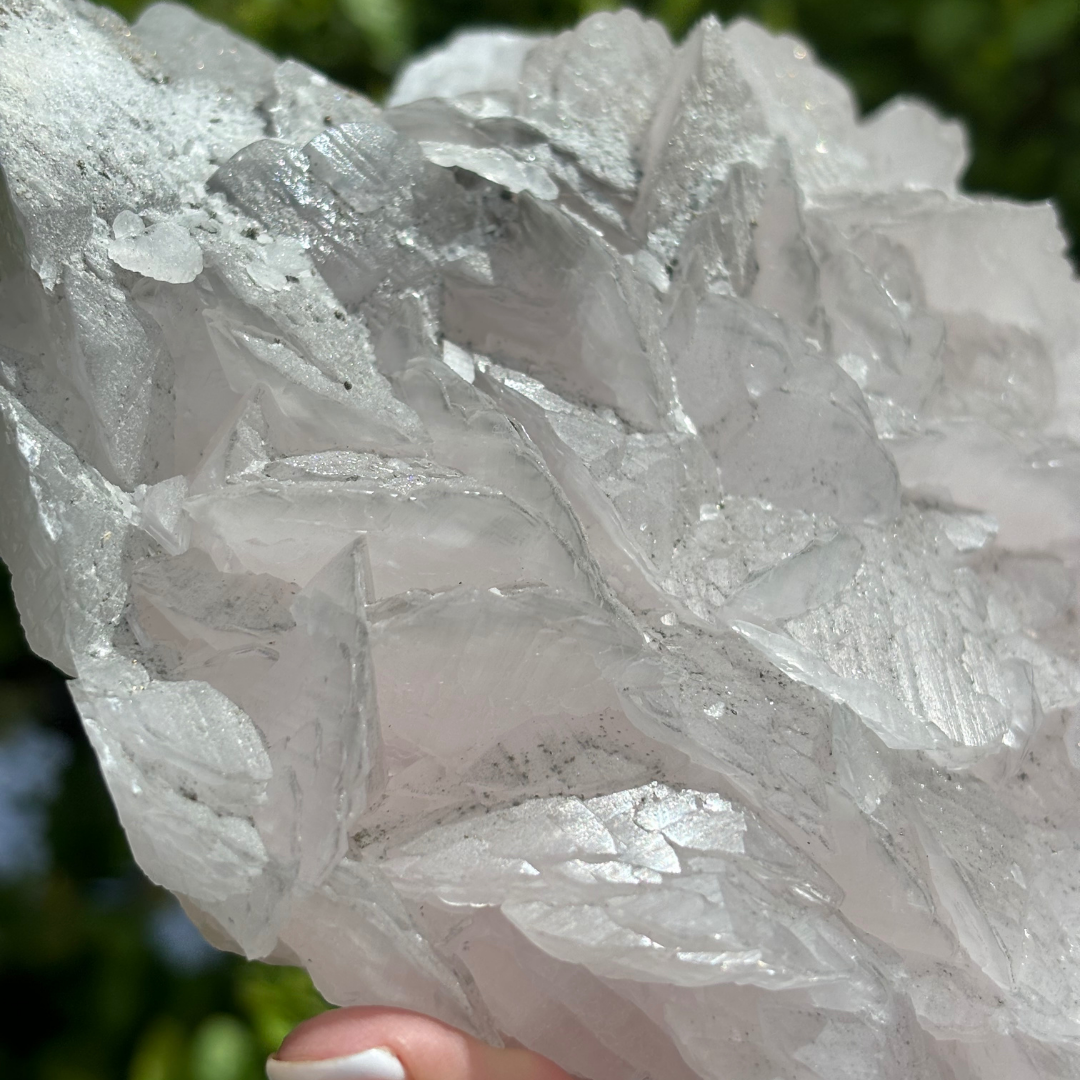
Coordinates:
[586,550]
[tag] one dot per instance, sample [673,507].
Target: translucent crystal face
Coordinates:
[586,551]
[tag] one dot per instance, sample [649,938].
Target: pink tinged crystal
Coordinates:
[586,551]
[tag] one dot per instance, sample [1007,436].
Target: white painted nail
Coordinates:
[377,1064]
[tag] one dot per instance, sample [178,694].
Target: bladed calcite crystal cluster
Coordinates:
[586,550]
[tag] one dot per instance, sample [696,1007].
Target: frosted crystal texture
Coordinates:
[587,551]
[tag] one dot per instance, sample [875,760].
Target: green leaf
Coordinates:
[677,15]
[387,25]
[160,1054]
[223,1049]
[778,15]
[947,27]
[275,1000]
[1039,27]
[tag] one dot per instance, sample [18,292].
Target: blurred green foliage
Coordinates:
[98,978]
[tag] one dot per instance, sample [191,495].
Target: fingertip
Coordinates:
[366,1043]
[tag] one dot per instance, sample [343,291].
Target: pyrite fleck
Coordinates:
[587,550]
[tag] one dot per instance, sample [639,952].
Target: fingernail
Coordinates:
[377,1064]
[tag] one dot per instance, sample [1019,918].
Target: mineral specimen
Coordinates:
[586,551]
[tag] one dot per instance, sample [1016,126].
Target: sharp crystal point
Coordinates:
[587,551]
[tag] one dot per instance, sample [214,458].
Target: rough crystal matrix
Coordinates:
[586,551]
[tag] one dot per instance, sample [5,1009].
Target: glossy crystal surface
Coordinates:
[587,550]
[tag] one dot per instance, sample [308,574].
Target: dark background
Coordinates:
[101,975]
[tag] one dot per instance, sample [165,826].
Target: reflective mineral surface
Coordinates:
[586,551]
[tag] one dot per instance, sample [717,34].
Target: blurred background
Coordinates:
[102,976]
